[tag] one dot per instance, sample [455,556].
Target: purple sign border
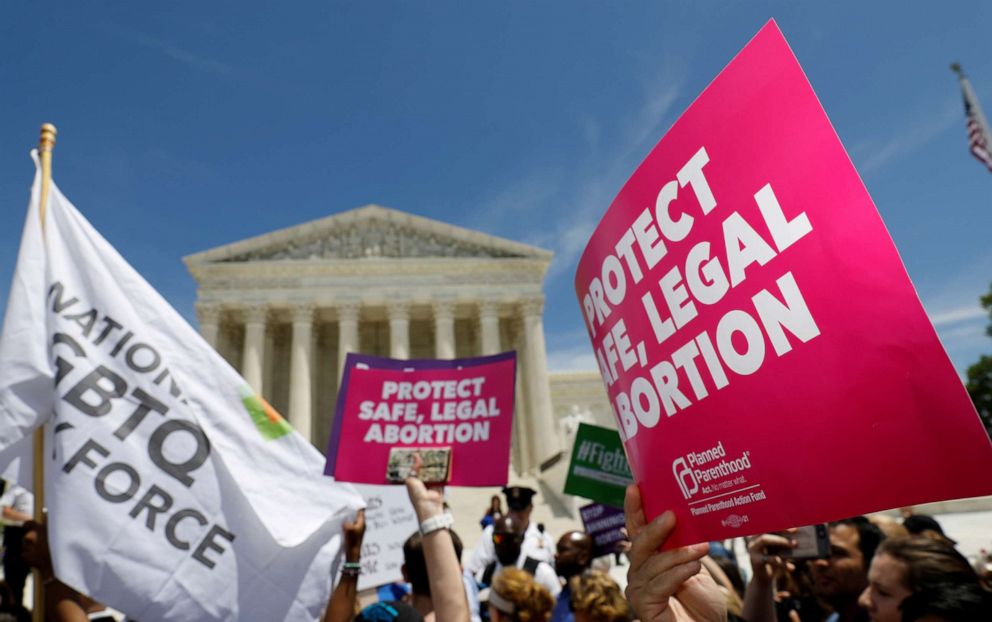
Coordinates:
[381,362]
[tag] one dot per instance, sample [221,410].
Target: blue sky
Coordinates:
[187,125]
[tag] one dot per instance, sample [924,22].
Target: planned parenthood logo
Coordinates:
[710,467]
[685,477]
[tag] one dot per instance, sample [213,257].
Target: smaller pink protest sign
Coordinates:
[389,410]
[766,356]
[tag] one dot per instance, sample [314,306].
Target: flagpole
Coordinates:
[45,146]
[972,100]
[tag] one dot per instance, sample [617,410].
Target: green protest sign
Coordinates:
[599,469]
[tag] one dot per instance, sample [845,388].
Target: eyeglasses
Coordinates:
[500,538]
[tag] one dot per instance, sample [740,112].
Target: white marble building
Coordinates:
[285,307]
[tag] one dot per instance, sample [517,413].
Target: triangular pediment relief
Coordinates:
[366,233]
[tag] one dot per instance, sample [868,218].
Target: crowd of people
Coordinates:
[877,568]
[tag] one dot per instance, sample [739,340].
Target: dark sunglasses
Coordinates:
[500,538]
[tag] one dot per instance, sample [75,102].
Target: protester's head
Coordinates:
[920,577]
[925,525]
[574,554]
[949,603]
[519,502]
[508,537]
[516,597]
[415,569]
[389,611]
[597,598]
[841,578]
[889,526]
[495,505]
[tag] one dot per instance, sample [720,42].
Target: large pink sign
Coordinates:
[766,356]
[463,407]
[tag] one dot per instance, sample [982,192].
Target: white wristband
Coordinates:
[432,524]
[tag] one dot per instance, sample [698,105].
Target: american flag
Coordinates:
[979,139]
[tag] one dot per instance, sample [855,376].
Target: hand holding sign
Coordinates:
[427,502]
[742,285]
[443,566]
[354,532]
[668,586]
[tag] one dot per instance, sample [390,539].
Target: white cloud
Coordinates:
[173,51]
[954,310]
[955,296]
[909,138]
[511,203]
[966,334]
[957,315]
[593,194]
[575,358]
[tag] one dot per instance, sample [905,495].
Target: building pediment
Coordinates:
[368,232]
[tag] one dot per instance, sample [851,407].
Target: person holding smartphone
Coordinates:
[839,577]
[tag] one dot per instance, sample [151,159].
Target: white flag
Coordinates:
[173,492]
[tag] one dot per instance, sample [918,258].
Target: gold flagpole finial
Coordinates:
[45,146]
[47,141]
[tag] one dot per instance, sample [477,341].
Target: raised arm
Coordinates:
[341,606]
[759,597]
[443,568]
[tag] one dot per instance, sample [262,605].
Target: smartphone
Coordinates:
[812,542]
[434,464]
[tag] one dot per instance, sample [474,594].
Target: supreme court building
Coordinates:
[285,307]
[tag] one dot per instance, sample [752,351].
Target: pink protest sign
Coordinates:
[766,356]
[388,409]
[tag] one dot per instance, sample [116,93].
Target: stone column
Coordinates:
[208,316]
[347,332]
[521,446]
[489,323]
[444,329]
[541,426]
[300,397]
[254,354]
[399,330]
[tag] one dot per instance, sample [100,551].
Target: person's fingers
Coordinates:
[360,520]
[633,511]
[794,616]
[415,488]
[765,541]
[649,538]
[661,563]
[657,588]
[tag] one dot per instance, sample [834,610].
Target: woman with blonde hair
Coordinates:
[516,597]
[597,598]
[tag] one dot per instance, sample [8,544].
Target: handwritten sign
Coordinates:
[389,521]
[464,404]
[767,358]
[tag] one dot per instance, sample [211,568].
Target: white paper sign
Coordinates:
[389,521]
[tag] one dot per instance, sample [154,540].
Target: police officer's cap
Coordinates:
[518,497]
